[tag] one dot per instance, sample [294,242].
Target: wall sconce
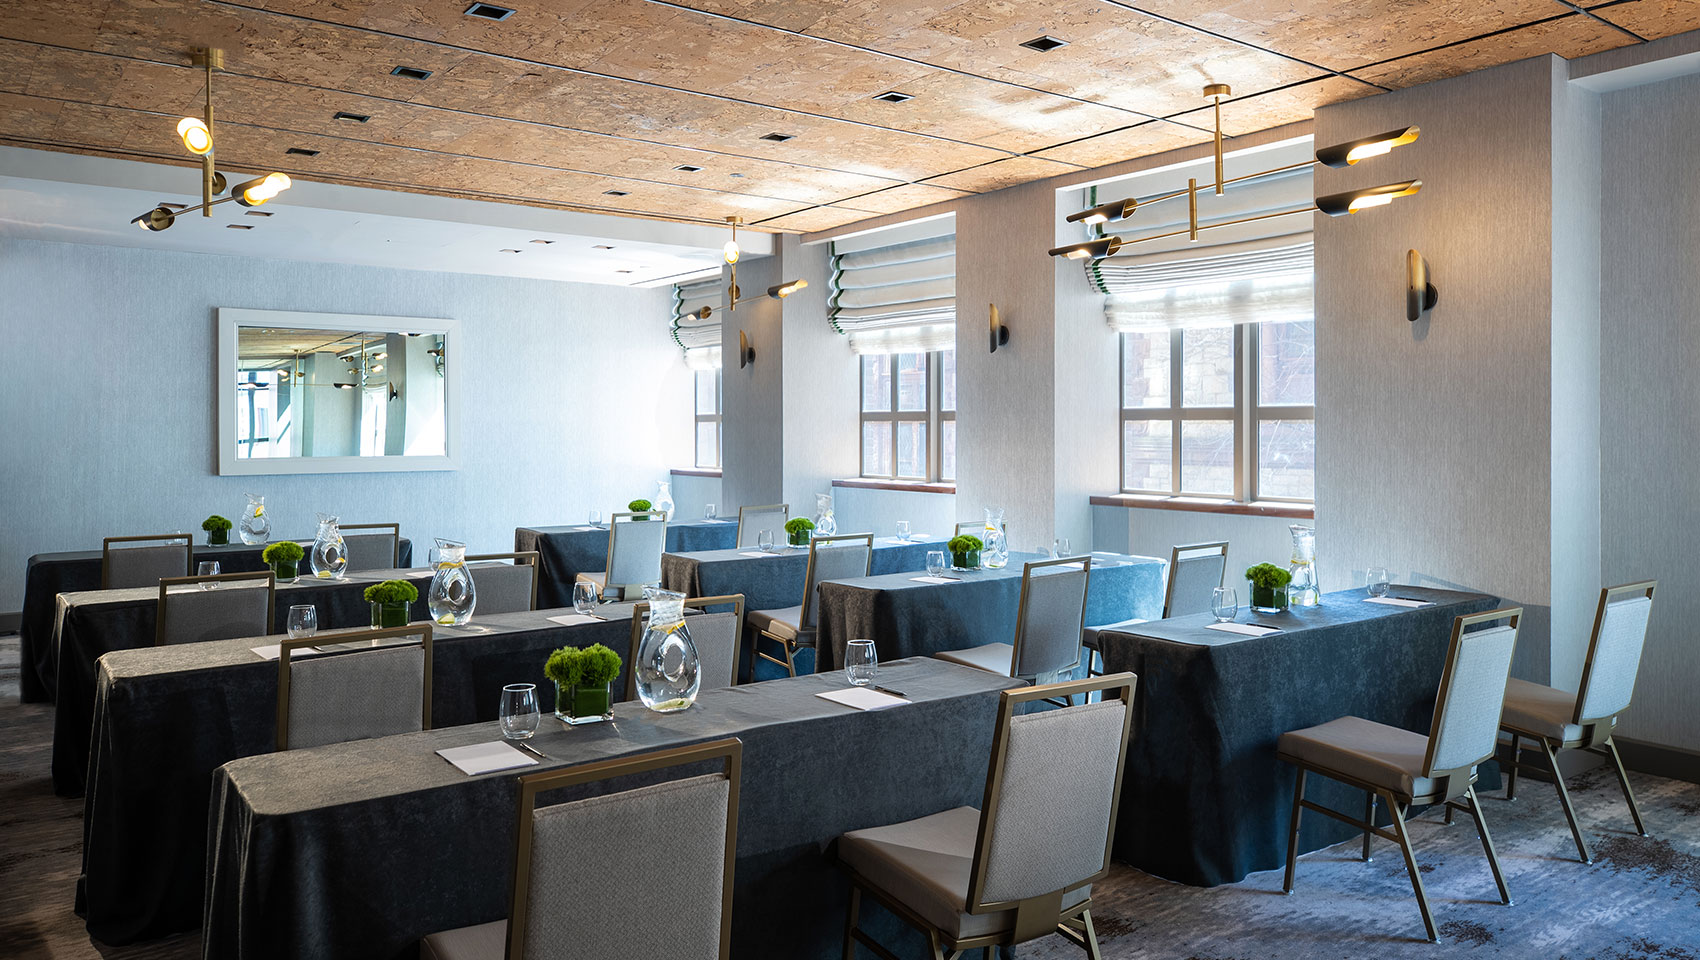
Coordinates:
[1420,294]
[1094,249]
[1346,154]
[1105,212]
[780,291]
[1340,204]
[1000,333]
[746,353]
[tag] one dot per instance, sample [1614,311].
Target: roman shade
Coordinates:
[699,338]
[896,296]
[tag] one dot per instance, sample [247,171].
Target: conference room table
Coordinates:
[166,717]
[907,616]
[1205,801]
[50,574]
[360,849]
[774,580]
[91,623]
[567,551]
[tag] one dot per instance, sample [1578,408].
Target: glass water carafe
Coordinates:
[668,671]
[453,594]
[825,524]
[328,559]
[255,527]
[1304,590]
[995,554]
[664,498]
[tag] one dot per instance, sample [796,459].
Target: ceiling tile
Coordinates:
[1141,141]
[1003,173]
[1653,19]
[1290,105]
[905,197]
[1569,37]
[816,218]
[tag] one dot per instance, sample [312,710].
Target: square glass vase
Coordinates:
[1269,599]
[390,614]
[285,571]
[584,704]
[967,560]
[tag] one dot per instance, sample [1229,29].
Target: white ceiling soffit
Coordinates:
[81,199]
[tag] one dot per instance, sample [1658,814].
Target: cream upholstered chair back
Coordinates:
[1195,569]
[355,694]
[216,607]
[504,587]
[1614,653]
[977,528]
[753,520]
[141,561]
[376,547]
[1051,616]
[842,557]
[635,544]
[718,638]
[1465,730]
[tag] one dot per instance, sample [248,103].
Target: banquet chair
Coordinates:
[168,555]
[1047,625]
[504,587]
[1195,570]
[717,637]
[372,551]
[976,528]
[1404,769]
[635,544]
[753,520]
[222,606]
[360,686]
[1022,866]
[830,558]
[1559,720]
[554,913]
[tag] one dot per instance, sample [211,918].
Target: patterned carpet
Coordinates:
[1640,900]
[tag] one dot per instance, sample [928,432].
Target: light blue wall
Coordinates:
[860,510]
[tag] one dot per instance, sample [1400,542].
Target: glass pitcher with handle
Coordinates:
[453,594]
[1304,590]
[329,558]
[825,524]
[255,527]
[995,554]
[664,498]
[668,670]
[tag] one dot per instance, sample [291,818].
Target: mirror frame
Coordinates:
[231,318]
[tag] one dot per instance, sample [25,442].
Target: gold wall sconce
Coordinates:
[746,353]
[1347,154]
[1000,333]
[1420,293]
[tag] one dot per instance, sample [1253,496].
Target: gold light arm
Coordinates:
[1216,91]
[1192,210]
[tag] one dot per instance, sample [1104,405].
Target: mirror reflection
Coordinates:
[338,393]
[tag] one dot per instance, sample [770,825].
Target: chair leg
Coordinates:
[1487,846]
[1293,832]
[1449,809]
[1092,949]
[1516,761]
[1623,781]
[1369,818]
[1564,800]
[850,918]
[1411,865]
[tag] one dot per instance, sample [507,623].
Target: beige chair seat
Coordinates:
[486,941]
[781,623]
[1089,636]
[992,657]
[1540,711]
[1375,753]
[925,864]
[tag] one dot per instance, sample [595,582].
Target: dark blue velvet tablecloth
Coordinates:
[1205,801]
[568,551]
[775,580]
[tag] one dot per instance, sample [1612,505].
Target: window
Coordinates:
[708,418]
[909,416]
[1221,411]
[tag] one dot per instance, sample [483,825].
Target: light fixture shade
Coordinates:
[1105,212]
[780,291]
[1346,154]
[159,218]
[197,139]
[1340,204]
[253,193]
[1420,294]
[1089,249]
[730,251]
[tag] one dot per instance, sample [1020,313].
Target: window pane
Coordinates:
[876,384]
[947,450]
[912,449]
[708,444]
[947,380]
[1148,455]
[1286,370]
[708,394]
[1145,370]
[876,449]
[1207,456]
[1286,459]
[1207,358]
[911,381]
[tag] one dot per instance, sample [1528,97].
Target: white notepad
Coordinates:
[862,698]
[486,758]
[1244,629]
[757,553]
[272,651]
[1399,602]
[936,579]
[574,619]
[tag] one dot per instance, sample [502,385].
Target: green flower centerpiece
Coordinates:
[584,683]
[284,557]
[1268,587]
[965,552]
[797,531]
[639,506]
[218,530]
[390,602]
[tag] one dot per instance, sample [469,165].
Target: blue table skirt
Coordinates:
[776,580]
[571,550]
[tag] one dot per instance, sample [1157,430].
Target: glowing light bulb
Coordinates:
[1374,200]
[731,251]
[1096,218]
[1078,253]
[196,137]
[1369,150]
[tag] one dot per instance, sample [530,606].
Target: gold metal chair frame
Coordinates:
[530,558]
[106,553]
[791,646]
[1447,793]
[395,538]
[1035,916]
[608,561]
[167,582]
[729,750]
[1596,732]
[738,537]
[1093,658]
[642,607]
[284,649]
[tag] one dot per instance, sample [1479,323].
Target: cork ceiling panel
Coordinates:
[599,104]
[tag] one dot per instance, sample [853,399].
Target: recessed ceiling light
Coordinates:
[622,271]
[1045,44]
[411,73]
[542,241]
[351,117]
[734,174]
[239,226]
[508,251]
[614,193]
[688,168]
[602,246]
[259,213]
[778,137]
[488,11]
[301,152]
[894,96]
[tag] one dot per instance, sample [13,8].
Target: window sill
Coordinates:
[909,486]
[1264,508]
[696,473]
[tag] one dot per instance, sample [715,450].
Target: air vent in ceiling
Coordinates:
[602,246]
[351,117]
[1045,44]
[258,213]
[239,226]
[488,11]
[301,152]
[508,251]
[778,137]
[411,73]
[614,193]
[688,168]
[542,241]
[894,96]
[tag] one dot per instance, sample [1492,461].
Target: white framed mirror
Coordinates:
[335,392]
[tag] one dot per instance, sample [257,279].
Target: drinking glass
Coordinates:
[207,568]
[584,598]
[1061,548]
[708,511]
[903,530]
[303,621]
[595,518]
[764,541]
[1224,604]
[861,662]
[518,712]
[935,563]
[1377,581]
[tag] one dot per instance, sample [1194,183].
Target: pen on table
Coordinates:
[890,692]
[532,749]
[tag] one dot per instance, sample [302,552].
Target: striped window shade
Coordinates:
[699,338]
[896,297]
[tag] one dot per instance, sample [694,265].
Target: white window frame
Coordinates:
[931,416]
[712,416]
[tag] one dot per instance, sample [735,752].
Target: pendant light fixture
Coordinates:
[731,253]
